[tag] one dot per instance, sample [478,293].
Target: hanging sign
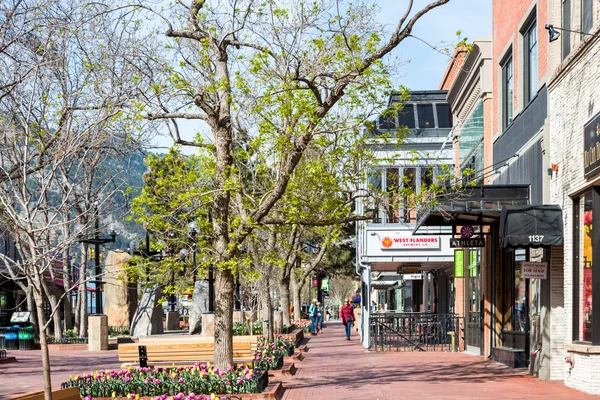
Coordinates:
[412,277]
[473,263]
[534,270]
[22,316]
[411,242]
[477,242]
[459,263]
[591,149]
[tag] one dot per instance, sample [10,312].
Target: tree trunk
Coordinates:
[284,289]
[39,303]
[55,305]
[67,299]
[82,295]
[223,318]
[31,308]
[266,307]
[296,288]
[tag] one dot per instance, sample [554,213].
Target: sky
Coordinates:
[421,67]
[425,67]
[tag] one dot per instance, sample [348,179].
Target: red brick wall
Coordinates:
[453,67]
[507,15]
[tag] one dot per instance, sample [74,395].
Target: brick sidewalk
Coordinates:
[338,369]
[26,374]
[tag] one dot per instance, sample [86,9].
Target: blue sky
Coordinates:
[422,67]
[425,67]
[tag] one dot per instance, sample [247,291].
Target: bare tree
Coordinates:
[61,116]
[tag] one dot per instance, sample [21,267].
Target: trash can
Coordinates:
[26,338]
[11,338]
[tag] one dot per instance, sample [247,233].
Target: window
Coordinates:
[387,122]
[391,182]
[425,116]
[507,92]
[444,116]
[406,116]
[566,24]
[530,62]
[585,270]
[587,15]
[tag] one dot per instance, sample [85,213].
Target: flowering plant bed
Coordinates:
[303,324]
[286,342]
[269,355]
[168,382]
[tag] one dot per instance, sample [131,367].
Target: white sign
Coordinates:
[412,277]
[411,242]
[533,270]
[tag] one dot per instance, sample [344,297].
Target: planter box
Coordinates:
[288,369]
[297,334]
[63,394]
[68,347]
[274,391]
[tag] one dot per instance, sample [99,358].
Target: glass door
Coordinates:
[474,320]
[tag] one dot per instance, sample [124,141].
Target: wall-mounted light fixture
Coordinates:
[553,32]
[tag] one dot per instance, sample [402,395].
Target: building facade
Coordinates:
[574,119]
[399,271]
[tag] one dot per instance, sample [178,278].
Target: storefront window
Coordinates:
[520,295]
[585,270]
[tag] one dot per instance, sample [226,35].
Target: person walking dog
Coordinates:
[347,316]
[312,313]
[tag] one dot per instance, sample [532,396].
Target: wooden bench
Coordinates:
[184,350]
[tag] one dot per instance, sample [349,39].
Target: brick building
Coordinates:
[574,120]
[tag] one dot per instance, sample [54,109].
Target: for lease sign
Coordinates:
[411,242]
[533,270]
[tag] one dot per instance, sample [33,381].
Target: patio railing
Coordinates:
[415,332]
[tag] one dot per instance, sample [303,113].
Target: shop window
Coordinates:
[406,116]
[585,270]
[507,92]
[425,116]
[566,24]
[530,67]
[520,314]
[587,15]
[444,116]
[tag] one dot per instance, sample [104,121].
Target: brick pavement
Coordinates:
[338,369]
[26,375]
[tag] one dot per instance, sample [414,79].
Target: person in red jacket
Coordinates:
[347,316]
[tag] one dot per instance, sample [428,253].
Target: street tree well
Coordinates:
[266,76]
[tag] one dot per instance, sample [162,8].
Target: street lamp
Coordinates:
[97,241]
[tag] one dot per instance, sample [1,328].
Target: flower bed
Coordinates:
[269,355]
[303,324]
[186,382]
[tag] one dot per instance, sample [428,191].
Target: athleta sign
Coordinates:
[411,242]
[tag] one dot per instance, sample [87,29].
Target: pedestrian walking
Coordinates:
[347,316]
[312,313]
[319,319]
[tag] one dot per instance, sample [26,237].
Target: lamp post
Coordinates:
[97,241]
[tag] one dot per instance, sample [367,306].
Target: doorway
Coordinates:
[474,337]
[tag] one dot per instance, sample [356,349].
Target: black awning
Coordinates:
[531,226]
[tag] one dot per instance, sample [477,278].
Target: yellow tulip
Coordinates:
[137,397]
